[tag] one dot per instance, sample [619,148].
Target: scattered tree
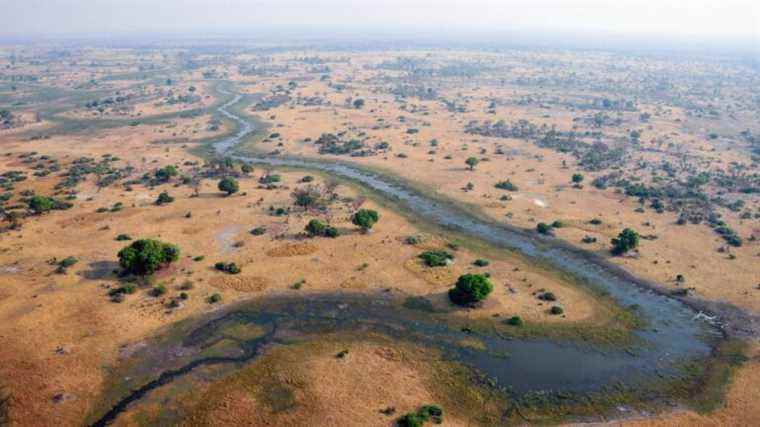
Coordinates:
[365,218]
[316,227]
[164,198]
[307,197]
[543,228]
[226,267]
[229,185]
[145,256]
[472,162]
[506,185]
[438,258]
[470,289]
[41,204]
[166,173]
[627,240]
[514,321]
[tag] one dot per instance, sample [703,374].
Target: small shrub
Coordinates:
[556,310]
[514,321]
[432,413]
[158,290]
[123,237]
[230,268]
[41,204]
[410,420]
[215,298]
[436,258]
[547,296]
[270,179]
[331,232]
[166,173]
[481,263]
[543,228]
[506,185]
[413,240]
[164,198]
[316,227]
[68,262]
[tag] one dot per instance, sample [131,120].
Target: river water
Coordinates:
[673,335]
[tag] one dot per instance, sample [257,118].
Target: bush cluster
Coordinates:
[436,258]
[316,227]
[230,267]
[432,413]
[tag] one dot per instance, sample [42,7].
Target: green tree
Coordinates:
[41,204]
[246,168]
[365,218]
[627,240]
[166,173]
[308,197]
[577,178]
[358,104]
[315,227]
[472,162]
[543,228]
[229,185]
[164,198]
[145,256]
[470,289]
[436,258]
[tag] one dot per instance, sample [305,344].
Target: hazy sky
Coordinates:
[703,18]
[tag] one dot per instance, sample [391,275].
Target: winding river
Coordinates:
[674,333]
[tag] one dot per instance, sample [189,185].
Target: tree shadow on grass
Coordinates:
[99,270]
